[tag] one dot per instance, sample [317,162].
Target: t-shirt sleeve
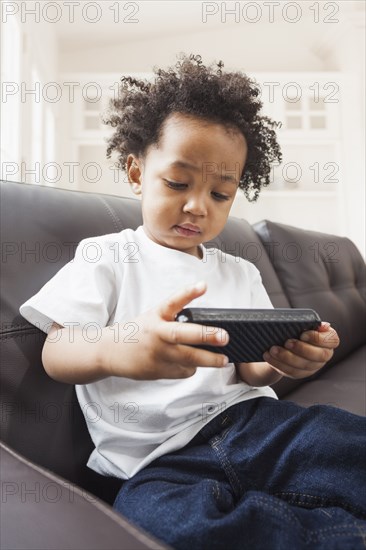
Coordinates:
[259,296]
[82,291]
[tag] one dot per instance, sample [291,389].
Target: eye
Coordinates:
[220,197]
[181,186]
[175,185]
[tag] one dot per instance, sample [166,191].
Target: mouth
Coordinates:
[187,230]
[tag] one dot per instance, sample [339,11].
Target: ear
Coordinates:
[134,174]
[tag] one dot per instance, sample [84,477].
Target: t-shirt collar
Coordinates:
[140,231]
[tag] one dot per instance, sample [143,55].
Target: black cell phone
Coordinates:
[251,331]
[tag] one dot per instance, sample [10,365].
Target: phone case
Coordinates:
[251,331]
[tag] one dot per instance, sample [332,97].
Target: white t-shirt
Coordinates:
[112,279]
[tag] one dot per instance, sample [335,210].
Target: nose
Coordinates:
[196,205]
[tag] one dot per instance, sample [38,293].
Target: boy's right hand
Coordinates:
[164,347]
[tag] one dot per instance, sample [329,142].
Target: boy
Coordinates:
[208,455]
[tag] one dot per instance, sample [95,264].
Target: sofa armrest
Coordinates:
[44,511]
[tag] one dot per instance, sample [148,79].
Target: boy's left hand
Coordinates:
[302,358]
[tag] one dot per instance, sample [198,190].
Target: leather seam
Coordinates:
[113,215]
[10,335]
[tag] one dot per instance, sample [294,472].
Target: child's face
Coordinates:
[201,194]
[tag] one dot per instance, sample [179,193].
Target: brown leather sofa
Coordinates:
[50,499]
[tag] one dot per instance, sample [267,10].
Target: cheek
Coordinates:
[224,209]
[221,214]
[158,208]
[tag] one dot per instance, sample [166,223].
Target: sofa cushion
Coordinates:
[323,272]
[342,386]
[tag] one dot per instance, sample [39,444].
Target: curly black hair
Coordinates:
[228,98]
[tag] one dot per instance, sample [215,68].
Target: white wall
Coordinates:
[304,46]
[263,48]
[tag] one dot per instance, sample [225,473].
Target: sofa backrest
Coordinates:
[323,272]
[40,229]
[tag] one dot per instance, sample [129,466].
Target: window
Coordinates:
[10,99]
[37,126]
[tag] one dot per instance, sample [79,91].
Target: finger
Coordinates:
[191,333]
[169,309]
[327,338]
[301,356]
[304,350]
[179,339]
[188,356]
[297,367]
[185,336]
[179,371]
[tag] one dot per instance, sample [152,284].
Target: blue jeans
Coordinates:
[263,474]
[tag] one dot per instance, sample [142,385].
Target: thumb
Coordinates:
[169,309]
[324,326]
